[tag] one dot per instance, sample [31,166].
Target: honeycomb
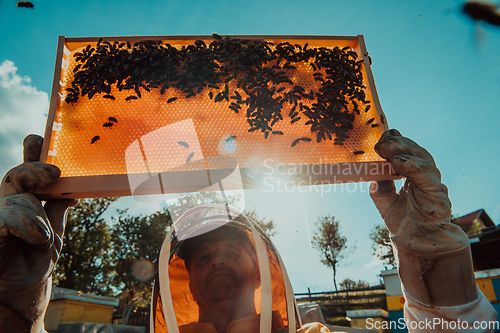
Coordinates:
[90,137]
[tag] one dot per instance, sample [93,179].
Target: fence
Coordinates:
[337,303]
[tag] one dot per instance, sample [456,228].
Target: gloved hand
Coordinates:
[30,241]
[433,255]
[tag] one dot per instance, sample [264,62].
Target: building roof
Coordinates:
[479,214]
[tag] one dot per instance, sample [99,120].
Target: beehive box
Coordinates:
[67,305]
[151,115]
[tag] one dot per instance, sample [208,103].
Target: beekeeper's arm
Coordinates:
[29,243]
[433,255]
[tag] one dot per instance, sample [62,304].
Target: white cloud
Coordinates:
[23,110]
[375,262]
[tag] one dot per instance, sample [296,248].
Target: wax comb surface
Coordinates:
[147,105]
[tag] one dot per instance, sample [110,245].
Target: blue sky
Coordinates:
[437,76]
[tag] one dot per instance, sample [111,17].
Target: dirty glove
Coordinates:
[434,257]
[29,243]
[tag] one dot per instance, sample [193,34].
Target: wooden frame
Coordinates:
[196,180]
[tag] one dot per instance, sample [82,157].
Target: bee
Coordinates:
[382,119]
[112,119]
[131,98]
[296,141]
[370,121]
[237,95]
[319,137]
[231,138]
[182,143]
[108,124]
[190,156]
[367,108]
[358,152]
[94,139]
[277,133]
[109,97]
[299,89]
[217,37]
[295,120]
[211,95]
[170,100]
[374,125]
[25,4]
[479,11]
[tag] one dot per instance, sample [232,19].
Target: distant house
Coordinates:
[474,222]
[484,238]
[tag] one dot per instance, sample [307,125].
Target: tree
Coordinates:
[382,246]
[267,227]
[331,244]
[136,241]
[84,263]
[349,284]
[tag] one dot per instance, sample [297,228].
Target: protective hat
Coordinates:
[173,308]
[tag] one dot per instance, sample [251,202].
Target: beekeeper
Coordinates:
[201,287]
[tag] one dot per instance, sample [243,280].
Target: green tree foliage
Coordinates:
[349,284]
[136,241]
[85,263]
[267,227]
[382,246]
[331,244]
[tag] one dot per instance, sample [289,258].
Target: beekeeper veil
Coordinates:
[173,307]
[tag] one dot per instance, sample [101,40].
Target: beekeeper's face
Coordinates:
[223,270]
